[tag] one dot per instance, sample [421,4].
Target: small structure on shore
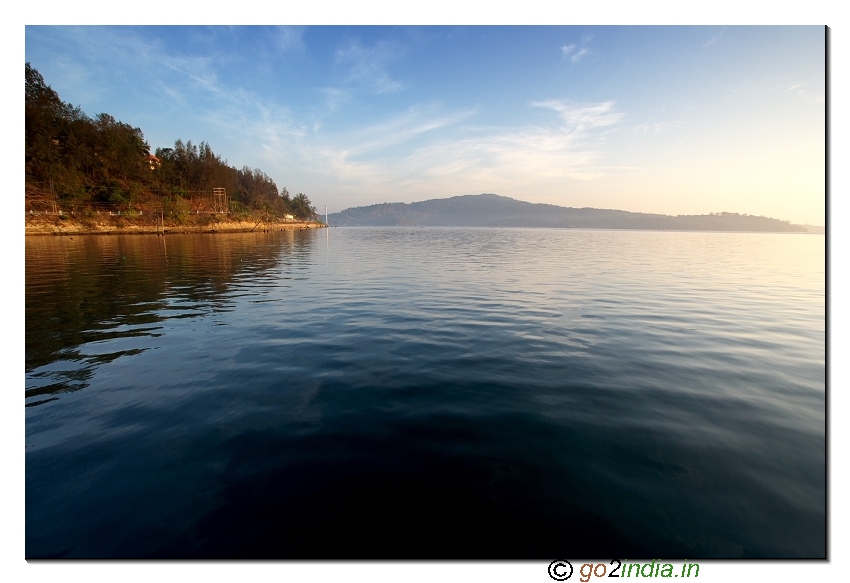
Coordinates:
[220,200]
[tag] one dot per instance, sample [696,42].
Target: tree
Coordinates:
[101,159]
[46,123]
[302,208]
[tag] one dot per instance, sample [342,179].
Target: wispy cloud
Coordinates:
[174,93]
[194,84]
[289,38]
[578,118]
[367,159]
[334,97]
[400,129]
[104,47]
[504,161]
[367,65]
[655,128]
[464,158]
[507,158]
[714,39]
[580,54]
[378,140]
[569,50]
[803,91]
[790,85]
[200,71]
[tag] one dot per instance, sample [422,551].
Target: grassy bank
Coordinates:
[43,224]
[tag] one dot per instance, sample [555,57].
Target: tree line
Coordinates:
[82,160]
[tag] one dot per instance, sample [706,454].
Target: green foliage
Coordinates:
[102,160]
[301,207]
[176,209]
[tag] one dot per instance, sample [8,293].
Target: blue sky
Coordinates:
[676,120]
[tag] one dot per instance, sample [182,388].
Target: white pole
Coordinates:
[326,216]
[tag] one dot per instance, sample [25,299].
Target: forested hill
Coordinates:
[79,163]
[491,210]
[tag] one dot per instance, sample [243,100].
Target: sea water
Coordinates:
[426,393]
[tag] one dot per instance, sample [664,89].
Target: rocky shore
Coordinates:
[100,224]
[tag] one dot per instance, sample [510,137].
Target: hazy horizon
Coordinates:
[670,120]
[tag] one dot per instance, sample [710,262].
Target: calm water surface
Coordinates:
[426,393]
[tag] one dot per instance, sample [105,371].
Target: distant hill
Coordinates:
[492,210]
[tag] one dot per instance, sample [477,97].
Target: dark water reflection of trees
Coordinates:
[84,290]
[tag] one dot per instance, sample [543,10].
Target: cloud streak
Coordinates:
[580,54]
[289,38]
[714,39]
[575,57]
[469,158]
[579,118]
[367,66]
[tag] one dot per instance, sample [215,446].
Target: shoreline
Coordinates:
[68,225]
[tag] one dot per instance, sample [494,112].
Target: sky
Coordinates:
[669,119]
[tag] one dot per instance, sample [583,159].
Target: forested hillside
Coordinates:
[80,163]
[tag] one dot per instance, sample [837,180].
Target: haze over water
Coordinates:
[426,393]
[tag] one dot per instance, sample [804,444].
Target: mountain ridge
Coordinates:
[493,210]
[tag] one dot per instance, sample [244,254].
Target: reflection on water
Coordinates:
[426,393]
[84,291]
